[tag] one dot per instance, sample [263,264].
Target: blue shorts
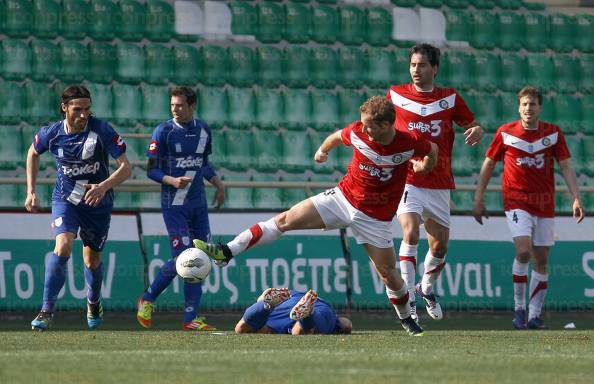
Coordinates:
[92,221]
[324,316]
[184,224]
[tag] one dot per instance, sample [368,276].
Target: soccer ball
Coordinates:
[193,265]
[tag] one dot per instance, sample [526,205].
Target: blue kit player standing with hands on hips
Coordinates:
[178,159]
[82,197]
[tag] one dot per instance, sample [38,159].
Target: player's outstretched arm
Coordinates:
[31,201]
[479,209]
[329,143]
[473,133]
[570,179]
[95,192]
[428,162]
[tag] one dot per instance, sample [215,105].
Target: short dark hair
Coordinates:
[529,90]
[188,92]
[432,53]
[379,109]
[73,92]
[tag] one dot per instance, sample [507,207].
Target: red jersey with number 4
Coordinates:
[375,178]
[431,114]
[528,180]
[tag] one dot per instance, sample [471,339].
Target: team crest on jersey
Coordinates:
[397,158]
[443,104]
[423,111]
[117,139]
[176,242]
[60,152]
[153,147]
[546,141]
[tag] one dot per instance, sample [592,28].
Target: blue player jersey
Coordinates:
[81,158]
[181,150]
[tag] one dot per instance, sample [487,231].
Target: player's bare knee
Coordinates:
[410,234]
[243,327]
[282,221]
[439,251]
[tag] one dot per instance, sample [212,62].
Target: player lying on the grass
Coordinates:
[296,313]
[528,148]
[364,200]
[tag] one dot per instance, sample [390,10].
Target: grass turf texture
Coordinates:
[122,353]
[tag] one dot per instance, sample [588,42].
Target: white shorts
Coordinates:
[428,203]
[337,212]
[540,229]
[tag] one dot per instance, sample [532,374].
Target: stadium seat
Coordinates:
[267,150]
[242,107]
[187,64]
[102,100]
[218,155]
[587,124]
[269,108]
[455,67]
[433,25]
[381,67]
[214,64]
[484,4]
[485,110]
[325,24]
[586,73]
[133,24]
[481,148]
[297,108]
[243,68]
[493,201]
[539,71]
[484,30]
[127,104]
[11,148]
[344,155]
[458,25]
[17,18]
[296,67]
[508,107]
[158,62]
[47,15]
[245,18]
[485,70]
[548,109]
[125,200]
[106,15]
[189,20]
[298,26]
[77,14]
[324,177]
[513,71]
[509,4]
[402,67]
[41,103]
[584,29]
[352,64]
[511,28]
[323,64]
[296,151]
[431,3]
[238,198]
[104,62]
[463,158]
[567,112]
[11,196]
[462,201]
[379,26]
[325,110]
[46,60]
[536,35]
[565,72]
[160,20]
[16,59]
[239,149]
[75,61]
[131,66]
[562,32]
[271,22]
[353,25]
[349,102]
[406,26]
[457,4]
[575,146]
[155,104]
[331,164]
[147,199]
[213,106]
[588,155]
[219,21]
[563,202]
[292,196]
[267,198]
[270,66]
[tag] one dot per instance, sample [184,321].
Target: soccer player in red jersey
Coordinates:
[429,111]
[528,148]
[364,200]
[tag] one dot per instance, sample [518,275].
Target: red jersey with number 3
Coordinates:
[375,178]
[528,180]
[431,114]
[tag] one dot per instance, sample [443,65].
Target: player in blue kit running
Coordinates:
[279,310]
[178,159]
[82,197]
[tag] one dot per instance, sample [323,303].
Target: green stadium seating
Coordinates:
[242,107]
[104,62]
[563,202]
[214,64]
[245,18]
[239,149]
[463,158]
[323,64]
[463,201]
[352,63]
[45,65]
[325,110]
[213,106]
[511,28]
[539,71]
[548,110]
[267,198]
[296,67]
[404,3]
[588,155]
[458,27]
[481,148]
[75,61]
[484,30]
[402,67]
[11,148]
[47,15]
[381,67]
[218,155]
[102,100]
[349,102]
[565,72]
[238,198]
[431,3]
[325,24]
[353,25]
[133,24]
[270,66]
[567,112]
[131,66]
[485,71]
[269,108]
[187,64]
[271,22]
[41,103]
[127,104]
[298,26]
[584,29]
[457,4]
[159,66]
[147,199]
[267,151]
[106,15]
[344,156]
[327,1]
[243,66]
[155,104]
[324,177]
[292,196]
[297,108]
[513,72]
[493,201]
[536,34]
[562,32]
[17,18]
[508,107]
[331,164]
[486,111]
[379,26]
[125,200]
[77,14]
[11,196]
[296,155]
[160,20]
[484,4]
[509,4]
[586,73]
[455,67]
[587,124]
[16,59]
[574,144]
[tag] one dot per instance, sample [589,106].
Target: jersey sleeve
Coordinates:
[345,134]
[496,148]
[561,152]
[462,114]
[116,146]
[41,140]
[157,146]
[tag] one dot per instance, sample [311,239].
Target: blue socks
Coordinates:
[162,281]
[94,278]
[192,294]
[256,315]
[55,276]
